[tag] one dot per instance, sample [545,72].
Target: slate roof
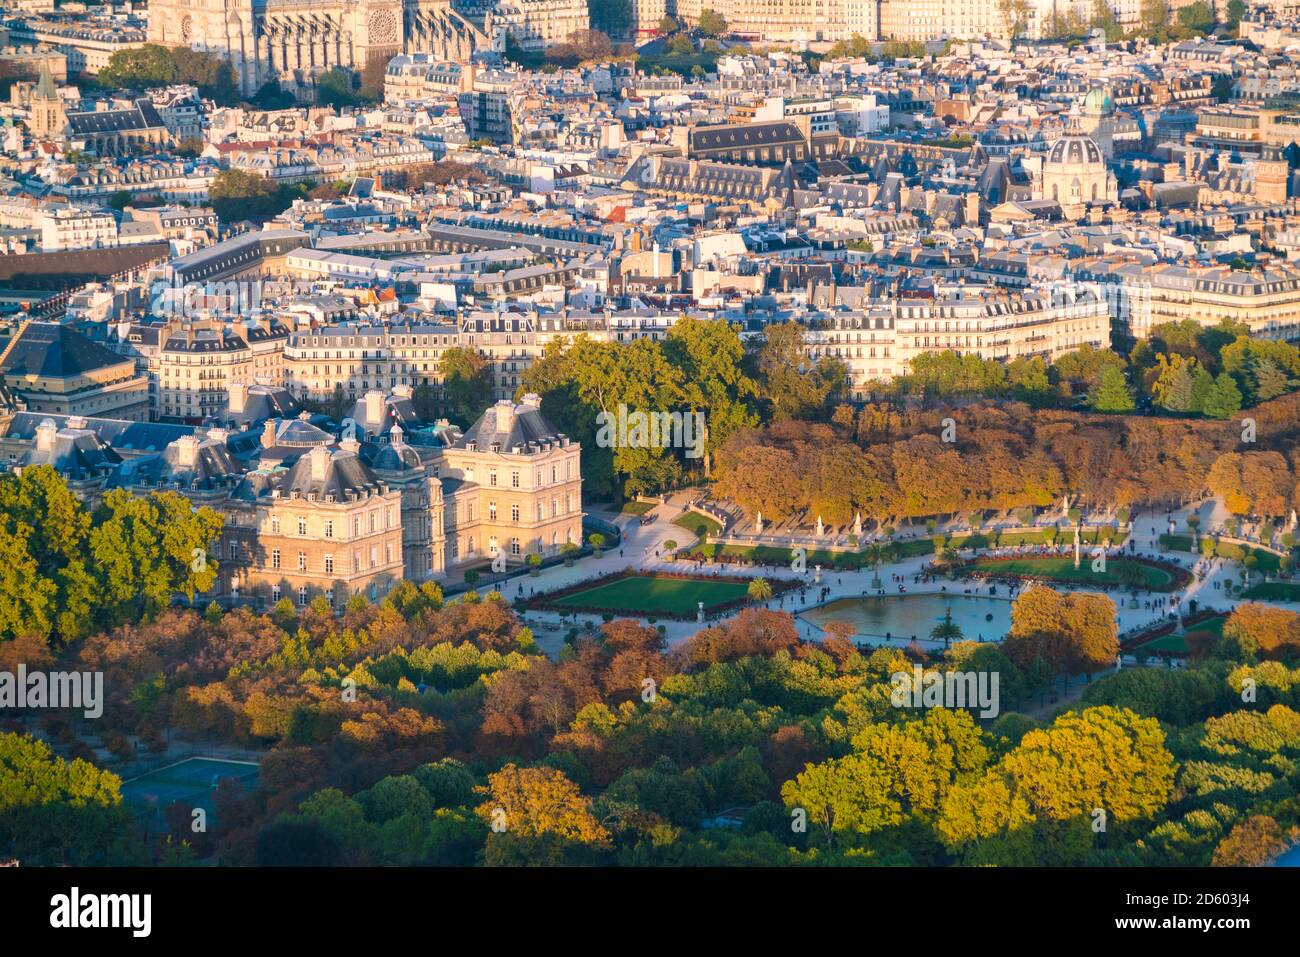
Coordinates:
[508,426]
[142,116]
[119,433]
[55,351]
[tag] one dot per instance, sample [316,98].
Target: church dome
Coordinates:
[1075,151]
[1098,102]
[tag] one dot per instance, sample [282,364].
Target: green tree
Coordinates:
[710,357]
[53,811]
[466,385]
[1112,393]
[48,584]
[1102,758]
[712,23]
[148,65]
[151,548]
[1223,400]
[794,386]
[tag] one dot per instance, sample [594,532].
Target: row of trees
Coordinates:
[152,65]
[66,571]
[892,463]
[1183,368]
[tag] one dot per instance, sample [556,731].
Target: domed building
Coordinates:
[1100,120]
[1075,175]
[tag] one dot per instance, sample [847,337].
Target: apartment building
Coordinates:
[538,24]
[353,358]
[879,340]
[199,359]
[75,227]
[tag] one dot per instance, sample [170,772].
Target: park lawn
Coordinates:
[1177,642]
[649,594]
[1063,569]
[636,508]
[1274,591]
[697,524]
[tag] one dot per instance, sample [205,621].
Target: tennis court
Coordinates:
[192,781]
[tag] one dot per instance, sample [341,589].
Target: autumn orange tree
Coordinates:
[537,815]
[1073,632]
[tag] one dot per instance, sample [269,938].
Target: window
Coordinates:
[329,528]
[492,511]
[302,596]
[275,524]
[329,564]
[275,593]
[302,526]
[302,561]
[514,479]
[514,513]
[492,477]
[275,558]
[514,547]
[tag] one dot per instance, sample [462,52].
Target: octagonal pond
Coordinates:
[913,616]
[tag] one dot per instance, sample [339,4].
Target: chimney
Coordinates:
[532,400]
[505,415]
[374,408]
[187,451]
[320,463]
[45,435]
[268,434]
[238,392]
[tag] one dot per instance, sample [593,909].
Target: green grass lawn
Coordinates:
[1274,591]
[637,508]
[1177,642]
[1063,568]
[697,524]
[649,594]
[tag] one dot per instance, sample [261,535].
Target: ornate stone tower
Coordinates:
[48,119]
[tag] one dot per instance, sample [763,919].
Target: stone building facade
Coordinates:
[295,40]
